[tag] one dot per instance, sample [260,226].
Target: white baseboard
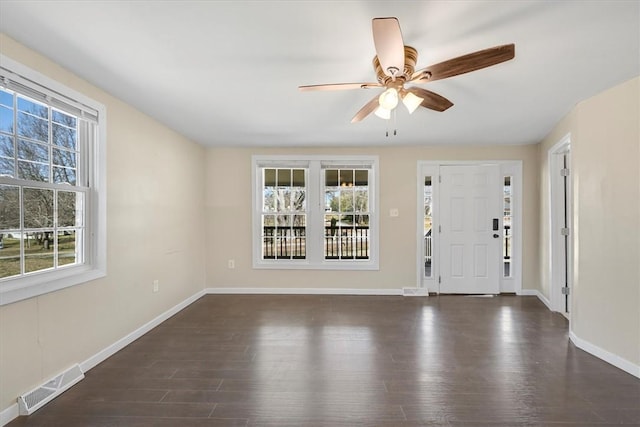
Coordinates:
[608,357]
[536,293]
[9,414]
[303,291]
[123,342]
[592,349]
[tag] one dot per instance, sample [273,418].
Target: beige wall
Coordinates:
[155,218]
[229,217]
[605,144]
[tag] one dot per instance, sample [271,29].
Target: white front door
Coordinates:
[471,229]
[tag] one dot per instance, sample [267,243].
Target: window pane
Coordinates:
[346,177]
[64,158]
[283,200]
[9,207]
[6,98]
[269,220]
[37,206]
[331,199]
[362,177]
[345,221]
[298,178]
[269,177]
[33,108]
[68,212]
[67,247]
[361,220]
[32,151]
[284,177]
[361,200]
[298,200]
[38,251]
[63,118]
[64,137]
[7,167]
[283,220]
[10,259]
[346,201]
[428,222]
[33,171]
[67,175]
[6,146]
[6,119]
[299,220]
[331,178]
[269,200]
[33,127]
[506,242]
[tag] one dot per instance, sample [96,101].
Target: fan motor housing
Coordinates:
[410,60]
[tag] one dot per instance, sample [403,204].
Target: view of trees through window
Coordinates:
[284,213]
[346,217]
[41,221]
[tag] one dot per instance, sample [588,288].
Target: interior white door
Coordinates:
[471,229]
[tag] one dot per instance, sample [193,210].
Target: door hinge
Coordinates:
[565,290]
[439,229]
[564,231]
[439,279]
[440,178]
[564,172]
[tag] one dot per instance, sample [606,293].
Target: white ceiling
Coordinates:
[225,73]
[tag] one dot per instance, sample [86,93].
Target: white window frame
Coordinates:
[95,249]
[315,211]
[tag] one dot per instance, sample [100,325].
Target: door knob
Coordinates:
[495,236]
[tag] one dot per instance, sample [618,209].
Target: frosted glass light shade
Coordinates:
[411,101]
[383,113]
[388,99]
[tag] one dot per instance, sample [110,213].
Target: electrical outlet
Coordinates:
[156,285]
[394,212]
[231,264]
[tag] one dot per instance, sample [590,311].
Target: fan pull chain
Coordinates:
[395,127]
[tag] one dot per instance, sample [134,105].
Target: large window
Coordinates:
[313,212]
[50,200]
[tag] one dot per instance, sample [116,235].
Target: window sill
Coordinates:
[42,283]
[326,265]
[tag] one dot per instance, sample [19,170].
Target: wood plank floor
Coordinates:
[283,360]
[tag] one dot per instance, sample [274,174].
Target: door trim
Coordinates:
[512,168]
[556,217]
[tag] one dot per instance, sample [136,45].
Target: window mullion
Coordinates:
[314,224]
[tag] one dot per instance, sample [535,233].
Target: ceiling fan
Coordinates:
[394,65]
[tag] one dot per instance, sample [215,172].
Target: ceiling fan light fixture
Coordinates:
[389,99]
[383,113]
[411,101]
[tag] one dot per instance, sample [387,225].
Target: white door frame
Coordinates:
[556,222]
[431,168]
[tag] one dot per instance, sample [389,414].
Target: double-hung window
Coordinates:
[316,212]
[51,201]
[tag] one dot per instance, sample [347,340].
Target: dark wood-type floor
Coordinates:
[265,360]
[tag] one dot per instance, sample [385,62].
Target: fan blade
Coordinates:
[465,64]
[387,39]
[368,108]
[339,86]
[431,100]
